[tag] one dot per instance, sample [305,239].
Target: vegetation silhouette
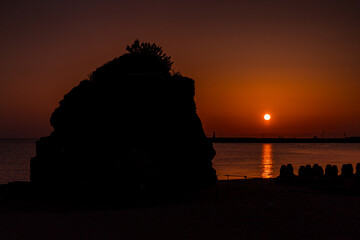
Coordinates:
[286,171]
[331,170]
[130,129]
[347,170]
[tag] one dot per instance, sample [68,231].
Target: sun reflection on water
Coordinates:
[266,161]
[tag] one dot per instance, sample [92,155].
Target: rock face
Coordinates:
[132,125]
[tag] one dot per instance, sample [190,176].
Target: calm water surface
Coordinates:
[235,159]
[15,157]
[264,159]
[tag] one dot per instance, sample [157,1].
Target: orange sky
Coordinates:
[297,61]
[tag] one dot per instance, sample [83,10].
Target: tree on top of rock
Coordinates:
[142,59]
[147,48]
[132,124]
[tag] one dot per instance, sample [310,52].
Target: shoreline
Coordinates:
[284,140]
[251,140]
[234,209]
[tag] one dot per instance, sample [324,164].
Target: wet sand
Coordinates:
[238,209]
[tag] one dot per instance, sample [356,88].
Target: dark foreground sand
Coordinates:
[239,209]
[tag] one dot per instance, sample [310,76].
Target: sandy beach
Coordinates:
[237,209]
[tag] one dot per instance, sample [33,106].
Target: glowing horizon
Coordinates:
[255,56]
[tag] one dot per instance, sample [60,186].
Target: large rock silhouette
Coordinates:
[131,126]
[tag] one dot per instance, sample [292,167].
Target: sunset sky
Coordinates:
[299,61]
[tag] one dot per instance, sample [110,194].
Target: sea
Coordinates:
[232,160]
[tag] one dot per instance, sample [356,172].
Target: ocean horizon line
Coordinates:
[283,140]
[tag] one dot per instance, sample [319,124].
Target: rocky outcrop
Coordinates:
[131,126]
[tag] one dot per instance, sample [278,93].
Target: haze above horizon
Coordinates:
[297,61]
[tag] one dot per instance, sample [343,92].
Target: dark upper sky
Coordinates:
[297,61]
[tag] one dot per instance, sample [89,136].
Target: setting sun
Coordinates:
[267,117]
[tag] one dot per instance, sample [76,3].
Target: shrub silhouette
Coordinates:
[317,170]
[151,50]
[132,125]
[286,171]
[331,170]
[347,170]
[302,171]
